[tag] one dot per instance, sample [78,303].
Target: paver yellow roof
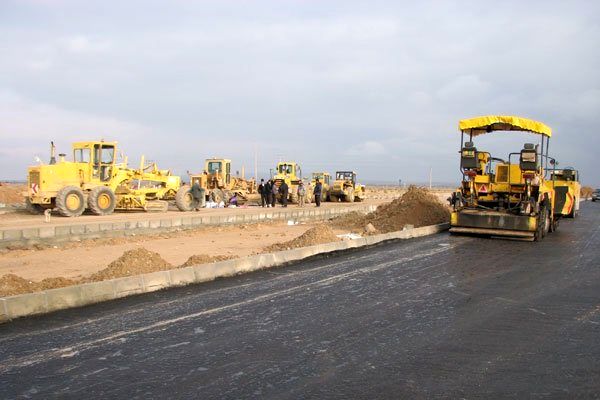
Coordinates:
[480,125]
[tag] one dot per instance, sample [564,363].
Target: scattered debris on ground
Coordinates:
[316,235]
[198,259]
[417,207]
[12,285]
[132,262]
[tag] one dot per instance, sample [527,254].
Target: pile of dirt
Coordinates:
[132,262]
[12,285]
[317,235]
[417,207]
[12,193]
[199,259]
[586,192]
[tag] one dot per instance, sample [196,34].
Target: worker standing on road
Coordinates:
[268,192]
[301,194]
[197,194]
[317,192]
[284,189]
[274,192]
[263,193]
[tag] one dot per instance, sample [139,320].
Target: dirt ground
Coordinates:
[44,267]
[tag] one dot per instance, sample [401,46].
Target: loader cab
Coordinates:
[99,156]
[219,169]
[346,176]
[323,177]
[290,169]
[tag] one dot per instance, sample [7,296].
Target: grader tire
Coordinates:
[217,196]
[34,209]
[102,200]
[184,199]
[70,201]
[333,198]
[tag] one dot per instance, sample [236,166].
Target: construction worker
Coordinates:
[197,194]
[317,192]
[301,194]
[263,193]
[274,192]
[284,189]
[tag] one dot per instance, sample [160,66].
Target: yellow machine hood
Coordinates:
[480,125]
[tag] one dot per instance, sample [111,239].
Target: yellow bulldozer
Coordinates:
[345,188]
[95,181]
[512,197]
[218,185]
[291,173]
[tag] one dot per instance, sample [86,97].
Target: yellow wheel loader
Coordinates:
[218,185]
[291,173]
[325,179]
[511,197]
[568,191]
[95,181]
[345,188]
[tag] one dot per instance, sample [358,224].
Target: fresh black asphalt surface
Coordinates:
[436,317]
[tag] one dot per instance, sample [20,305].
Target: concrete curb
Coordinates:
[89,293]
[95,230]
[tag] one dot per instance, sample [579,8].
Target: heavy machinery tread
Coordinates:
[182,199]
[95,206]
[61,201]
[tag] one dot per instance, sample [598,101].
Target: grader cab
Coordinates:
[345,188]
[505,197]
[95,181]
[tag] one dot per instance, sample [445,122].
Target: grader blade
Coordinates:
[156,206]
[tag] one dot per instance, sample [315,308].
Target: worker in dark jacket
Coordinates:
[274,192]
[317,192]
[284,189]
[263,193]
[197,194]
[267,191]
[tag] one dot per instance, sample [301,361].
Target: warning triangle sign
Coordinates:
[483,189]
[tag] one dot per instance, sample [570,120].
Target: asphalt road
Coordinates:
[437,317]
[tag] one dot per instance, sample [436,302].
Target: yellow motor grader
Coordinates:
[95,181]
[291,173]
[345,188]
[511,197]
[218,185]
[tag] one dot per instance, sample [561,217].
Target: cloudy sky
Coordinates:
[375,86]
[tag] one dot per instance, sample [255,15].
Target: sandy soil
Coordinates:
[80,260]
[43,267]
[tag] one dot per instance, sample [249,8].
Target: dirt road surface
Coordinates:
[437,317]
